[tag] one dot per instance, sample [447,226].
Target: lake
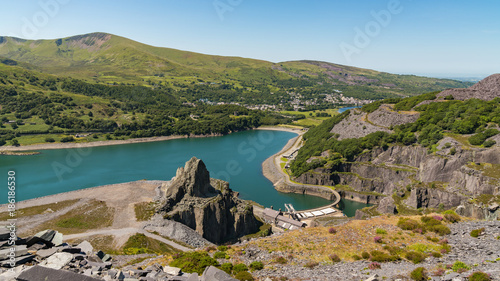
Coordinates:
[347,108]
[235,158]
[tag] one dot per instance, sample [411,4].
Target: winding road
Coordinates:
[274,172]
[126,232]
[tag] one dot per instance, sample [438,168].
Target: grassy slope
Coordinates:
[112,58]
[350,239]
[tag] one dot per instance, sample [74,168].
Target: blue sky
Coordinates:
[435,38]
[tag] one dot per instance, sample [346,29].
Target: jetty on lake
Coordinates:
[292,219]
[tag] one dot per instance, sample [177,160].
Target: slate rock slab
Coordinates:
[40,273]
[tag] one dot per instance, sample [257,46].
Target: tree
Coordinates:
[15,142]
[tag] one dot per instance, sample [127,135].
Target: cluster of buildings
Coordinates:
[339,98]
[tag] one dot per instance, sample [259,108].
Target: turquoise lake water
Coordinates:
[347,108]
[236,158]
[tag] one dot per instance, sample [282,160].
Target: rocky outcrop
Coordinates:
[176,230]
[489,212]
[472,182]
[438,179]
[387,206]
[206,205]
[360,197]
[432,198]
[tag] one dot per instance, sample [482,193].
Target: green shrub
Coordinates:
[489,143]
[408,224]
[440,229]
[479,276]
[227,267]
[429,221]
[381,231]
[415,257]
[451,216]
[393,250]
[280,260]
[459,266]
[436,254]
[433,239]
[379,256]
[335,258]
[67,139]
[256,265]
[491,132]
[244,276]
[191,262]
[365,255]
[222,248]
[210,249]
[476,232]
[49,139]
[445,248]
[240,267]
[311,264]
[220,255]
[419,274]
[477,139]
[356,257]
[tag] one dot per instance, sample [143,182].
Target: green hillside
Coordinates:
[107,58]
[472,122]
[37,108]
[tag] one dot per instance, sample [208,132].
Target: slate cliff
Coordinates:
[454,172]
[206,205]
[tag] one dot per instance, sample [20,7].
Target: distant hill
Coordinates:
[486,89]
[102,57]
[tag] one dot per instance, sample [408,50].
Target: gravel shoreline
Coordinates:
[45,146]
[77,194]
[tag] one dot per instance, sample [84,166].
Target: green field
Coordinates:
[311,119]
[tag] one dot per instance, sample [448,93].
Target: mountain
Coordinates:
[437,150]
[102,57]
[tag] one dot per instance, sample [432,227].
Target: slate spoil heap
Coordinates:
[44,257]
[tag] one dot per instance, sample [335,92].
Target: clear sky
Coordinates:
[436,38]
